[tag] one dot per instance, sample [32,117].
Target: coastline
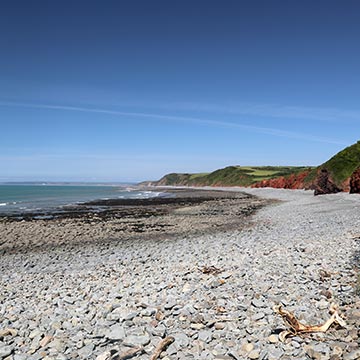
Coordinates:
[183,211]
[77,300]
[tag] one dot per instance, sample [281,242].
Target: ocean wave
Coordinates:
[147,194]
[129,189]
[3,204]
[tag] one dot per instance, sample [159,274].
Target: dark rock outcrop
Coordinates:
[355,182]
[323,184]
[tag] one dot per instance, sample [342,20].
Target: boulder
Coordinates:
[323,183]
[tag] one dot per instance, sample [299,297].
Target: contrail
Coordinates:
[256,129]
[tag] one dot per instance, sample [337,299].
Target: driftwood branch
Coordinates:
[296,328]
[162,345]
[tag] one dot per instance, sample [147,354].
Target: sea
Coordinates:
[28,198]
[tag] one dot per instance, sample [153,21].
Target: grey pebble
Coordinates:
[116,333]
[5,351]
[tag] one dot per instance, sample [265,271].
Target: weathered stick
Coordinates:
[162,345]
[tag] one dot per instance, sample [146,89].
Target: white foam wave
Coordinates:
[3,204]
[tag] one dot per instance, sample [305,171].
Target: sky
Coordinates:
[132,90]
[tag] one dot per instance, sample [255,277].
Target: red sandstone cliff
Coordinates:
[293,181]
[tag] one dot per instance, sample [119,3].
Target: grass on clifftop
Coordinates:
[340,166]
[231,176]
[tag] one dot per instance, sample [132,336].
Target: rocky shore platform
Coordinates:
[198,273]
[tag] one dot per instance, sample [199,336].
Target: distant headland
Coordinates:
[340,173]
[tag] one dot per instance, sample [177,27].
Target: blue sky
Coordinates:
[131,90]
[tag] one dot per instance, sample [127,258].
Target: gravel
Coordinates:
[101,300]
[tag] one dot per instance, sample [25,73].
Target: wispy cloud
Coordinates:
[194,120]
[333,115]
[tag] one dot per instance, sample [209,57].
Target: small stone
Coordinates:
[313,354]
[148,312]
[86,351]
[354,355]
[275,353]
[131,316]
[295,344]
[322,304]
[346,288]
[137,340]
[5,351]
[20,357]
[273,339]
[197,326]
[219,326]
[327,293]
[58,345]
[159,330]
[69,300]
[337,350]
[116,333]
[104,356]
[247,347]
[45,340]
[354,314]
[7,332]
[34,334]
[170,304]
[205,336]
[181,339]
[186,288]
[254,354]
[226,275]
[258,316]
[258,303]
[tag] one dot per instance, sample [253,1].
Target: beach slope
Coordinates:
[211,289]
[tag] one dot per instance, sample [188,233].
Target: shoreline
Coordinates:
[81,301]
[166,196]
[185,211]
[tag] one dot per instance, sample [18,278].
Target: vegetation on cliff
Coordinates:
[340,173]
[341,166]
[231,176]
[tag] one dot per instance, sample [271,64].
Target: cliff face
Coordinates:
[340,173]
[293,181]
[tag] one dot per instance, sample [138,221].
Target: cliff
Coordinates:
[340,173]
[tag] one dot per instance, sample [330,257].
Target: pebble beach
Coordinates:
[203,274]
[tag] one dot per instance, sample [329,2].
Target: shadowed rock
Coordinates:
[355,182]
[323,184]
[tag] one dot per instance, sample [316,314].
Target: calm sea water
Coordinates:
[28,198]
